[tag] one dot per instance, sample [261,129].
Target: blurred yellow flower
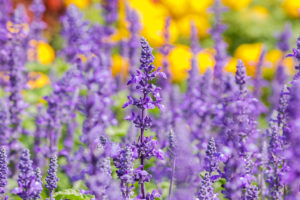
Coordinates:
[201,6]
[42,101]
[158,59]
[40,51]
[78,3]
[45,53]
[177,8]
[289,64]
[153,17]
[259,12]
[205,60]
[38,80]
[231,65]
[122,24]
[120,66]
[180,62]
[249,54]
[273,57]
[291,7]
[236,4]
[201,22]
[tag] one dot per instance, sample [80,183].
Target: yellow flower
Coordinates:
[201,6]
[177,8]
[249,54]
[259,12]
[153,17]
[42,101]
[205,60]
[38,80]
[236,4]
[231,65]
[289,64]
[273,57]
[78,3]
[291,7]
[120,65]
[122,24]
[201,22]
[45,53]
[180,62]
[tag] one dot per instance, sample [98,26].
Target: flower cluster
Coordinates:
[216,136]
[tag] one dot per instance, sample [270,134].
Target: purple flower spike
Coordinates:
[212,157]
[142,80]
[241,77]
[3,170]
[38,184]
[283,38]
[206,190]
[37,25]
[51,178]
[124,163]
[26,180]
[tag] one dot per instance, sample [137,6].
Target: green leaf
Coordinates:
[71,194]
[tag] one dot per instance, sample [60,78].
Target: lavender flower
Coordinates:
[292,156]
[133,43]
[212,157]
[4,124]
[37,25]
[51,178]
[75,34]
[172,151]
[296,54]
[206,190]
[28,186]
[124,163]
[251,193]
[220,45]
[283,38]
[110,15]
[166,49]
[99,184]
[276,165]
[146,146]
[38,184]
[3,170]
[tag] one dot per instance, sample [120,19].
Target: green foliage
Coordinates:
[71,194]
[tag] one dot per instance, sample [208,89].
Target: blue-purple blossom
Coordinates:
[37,25]
[284,38]
[142,80]
[124,163]
[212,157]
[3,170]
[220,45]
[133,42]
[75,34]
[51,178]
[206,190]
[28,185]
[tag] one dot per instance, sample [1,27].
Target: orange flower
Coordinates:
[38,80]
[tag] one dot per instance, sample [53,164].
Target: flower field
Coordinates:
[149,100]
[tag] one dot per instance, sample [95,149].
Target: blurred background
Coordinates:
[252,25]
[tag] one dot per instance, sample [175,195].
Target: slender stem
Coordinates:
[51,195]
[172,179]
[142,157]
